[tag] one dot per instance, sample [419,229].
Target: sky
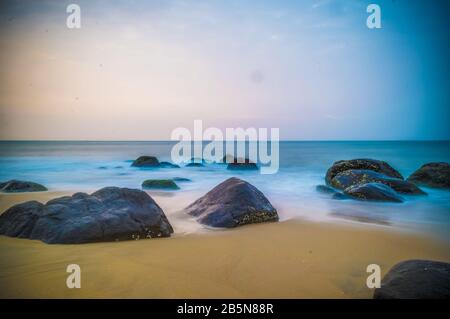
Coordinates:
[136,70]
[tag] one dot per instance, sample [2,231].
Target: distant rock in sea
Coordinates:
[373,192]
[159,184]
[16,186]
[362,163]
[432,175]
[416,279]
[181,179]
[146,161]
[194,165]
[232,203]
[167,165]
[109,214]
[242,164]
[354,177]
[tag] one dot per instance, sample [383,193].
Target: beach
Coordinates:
[296,258]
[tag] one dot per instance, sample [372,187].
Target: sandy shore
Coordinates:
[293,259]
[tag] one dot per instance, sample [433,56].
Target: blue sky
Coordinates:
[138,69]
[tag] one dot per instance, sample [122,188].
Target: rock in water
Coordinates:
[325,189]
[146,161]
[159,184]
[432,175]
[362,163]
[167,165]
[373,192]
[233,203]
[109,214]
[242,164]
[15,186]
[181,179]
[354,177]
[416,279]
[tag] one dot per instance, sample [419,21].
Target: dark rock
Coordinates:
[362,163]
[159,184]
[194,165]
[432,175]
[168,165]
[109,214]
[242,164]
[233,203]
[181,179]
[416,279]
[373,192]
[353,177]
[146,161]
[325,189]
[16,186]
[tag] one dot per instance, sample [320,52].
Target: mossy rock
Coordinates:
[159,184]
[16,186]
[146,161]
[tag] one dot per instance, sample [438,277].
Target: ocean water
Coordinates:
[87,166]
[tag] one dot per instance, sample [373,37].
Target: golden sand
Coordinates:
[293,259]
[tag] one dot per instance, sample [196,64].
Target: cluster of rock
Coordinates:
[115,214]
[369,179]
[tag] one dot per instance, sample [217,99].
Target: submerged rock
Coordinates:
[232,203]
[194,165]
[167,165]
[159,184]
[362,163]
[354,177]
[109,214]
[181,179]
[373,192]
[16,186]
[432,175]
[242,164]
[146,161]
[416,279]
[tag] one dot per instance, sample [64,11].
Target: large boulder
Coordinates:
[373,192]
[361,163]
[416,279]
[168,184]
[146,161]
[109,214]
[354,177]
[233,203]
[432,175]
[16,186]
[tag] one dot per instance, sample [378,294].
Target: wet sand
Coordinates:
[292,259]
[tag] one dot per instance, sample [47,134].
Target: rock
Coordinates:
[373,192]
[159,184]
[16,186]
[146,161]
[416,279]
[432,175]
[362,163]
[194,165]
[353,177]
[340,196]
[109,214]
[167,165]
[181,179]
[325,189]
[228,159]
[232,203]
[242,164]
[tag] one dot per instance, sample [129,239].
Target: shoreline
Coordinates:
[296,258]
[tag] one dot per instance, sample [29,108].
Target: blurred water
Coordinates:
[87,166]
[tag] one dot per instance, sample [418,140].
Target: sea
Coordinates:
[73,166]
